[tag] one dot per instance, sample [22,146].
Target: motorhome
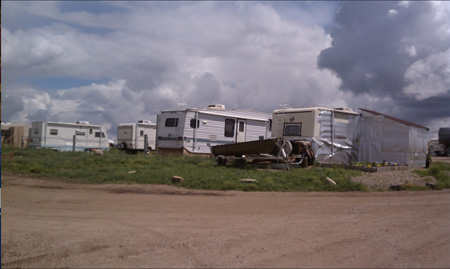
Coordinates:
[131,136]
[330,130]
[193,131]
[61,136]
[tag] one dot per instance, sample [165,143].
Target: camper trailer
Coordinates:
[61,136]
[193,131]
[131,136]
[330,130]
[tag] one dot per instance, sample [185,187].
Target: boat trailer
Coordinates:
[275,152]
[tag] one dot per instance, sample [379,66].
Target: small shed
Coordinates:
[15,134]
[380,137]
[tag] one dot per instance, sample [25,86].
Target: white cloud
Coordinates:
[245,55]
[392,12]
[429,77]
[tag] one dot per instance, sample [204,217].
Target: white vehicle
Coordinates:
[330,130]
[131,136]
[435,148]
[60,136]
[192,131]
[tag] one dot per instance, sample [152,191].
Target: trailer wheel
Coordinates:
[221,160]
[123,146]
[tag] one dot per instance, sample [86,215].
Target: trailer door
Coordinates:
[242,127]
[125,137]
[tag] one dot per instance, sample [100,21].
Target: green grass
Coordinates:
[199,173]
[440,171]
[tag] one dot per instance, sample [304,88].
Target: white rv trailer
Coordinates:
[131,136]
[60,136]
[191,131]
[330,130]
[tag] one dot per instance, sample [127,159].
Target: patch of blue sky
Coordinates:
[61,83]
[25,23]
[95,7]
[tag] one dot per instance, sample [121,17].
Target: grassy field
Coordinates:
[199,173]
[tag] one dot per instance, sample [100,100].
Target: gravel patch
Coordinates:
[383,180]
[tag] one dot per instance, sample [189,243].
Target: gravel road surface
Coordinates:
[53,224]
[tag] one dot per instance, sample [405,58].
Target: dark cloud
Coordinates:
[396,54]
[10,106]
[374,43]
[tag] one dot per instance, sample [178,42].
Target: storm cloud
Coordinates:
[396,51]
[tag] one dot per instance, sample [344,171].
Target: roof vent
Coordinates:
[216,107]
[82,122]
[145,121]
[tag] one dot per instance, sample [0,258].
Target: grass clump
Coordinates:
[440,171]
[199,173]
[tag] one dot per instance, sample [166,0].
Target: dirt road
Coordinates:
[54,224]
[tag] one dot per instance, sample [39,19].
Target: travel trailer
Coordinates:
[330,130]
[193,131]
[61,136]
[131,136]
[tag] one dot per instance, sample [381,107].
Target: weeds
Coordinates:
[440,171]
[199,173]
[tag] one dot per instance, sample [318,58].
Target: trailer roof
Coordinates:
[306,109]
[232,113]
[68,124]
[395,119]
[139,123]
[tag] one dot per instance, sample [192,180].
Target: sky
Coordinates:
[112,62]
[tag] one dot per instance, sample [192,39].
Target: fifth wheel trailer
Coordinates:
[131,136]
[60,136]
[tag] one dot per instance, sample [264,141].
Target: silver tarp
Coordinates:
[381,139]
[335,143]
[369,138]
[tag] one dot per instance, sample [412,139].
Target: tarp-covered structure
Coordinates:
[380,137]
[342,136]
[330,131]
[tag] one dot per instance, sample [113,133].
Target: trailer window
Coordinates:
[90,131]
[172,122]
[195,123]
[292,129]
[80,133]
[36,131]
[229,128]
[241,126]
[141,133]
[53,131]
[97,134]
